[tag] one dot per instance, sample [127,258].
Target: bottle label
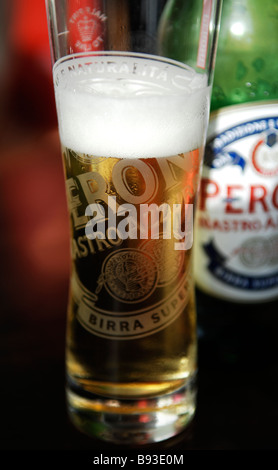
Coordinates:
[236,238]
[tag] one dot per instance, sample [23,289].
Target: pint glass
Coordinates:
[132,111]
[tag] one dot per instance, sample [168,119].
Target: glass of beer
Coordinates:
[133,107]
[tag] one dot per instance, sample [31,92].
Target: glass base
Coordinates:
[125,421]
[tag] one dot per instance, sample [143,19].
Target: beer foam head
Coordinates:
[122,107]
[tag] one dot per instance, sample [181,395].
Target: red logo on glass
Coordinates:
[87,28]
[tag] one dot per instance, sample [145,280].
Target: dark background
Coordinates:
[238,363]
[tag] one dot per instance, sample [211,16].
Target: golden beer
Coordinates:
[131,330]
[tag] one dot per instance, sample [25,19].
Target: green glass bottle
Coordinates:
[246,68]
[236,236]
[236,245]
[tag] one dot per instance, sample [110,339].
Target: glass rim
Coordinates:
[128,54]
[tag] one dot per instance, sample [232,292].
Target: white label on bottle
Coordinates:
[236,238]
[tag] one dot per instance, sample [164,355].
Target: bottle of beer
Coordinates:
[236,236]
